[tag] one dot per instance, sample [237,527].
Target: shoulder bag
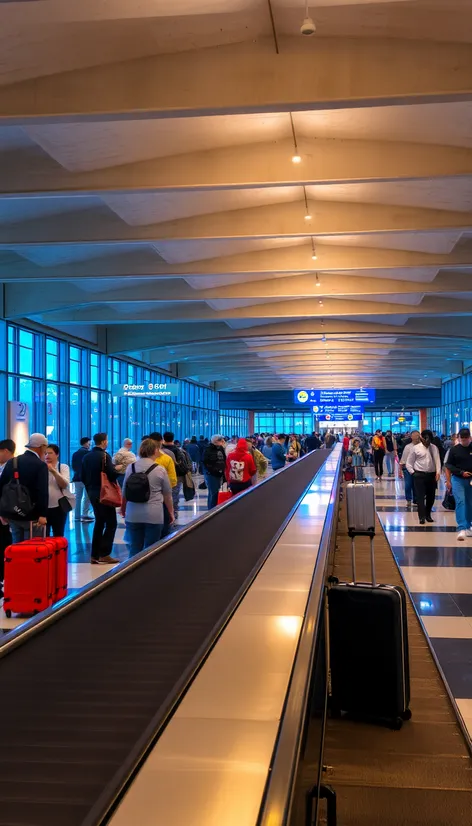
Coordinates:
[110,493]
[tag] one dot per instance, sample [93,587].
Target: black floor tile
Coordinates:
[433,557]
[464,603]
[436,605]
[428,528]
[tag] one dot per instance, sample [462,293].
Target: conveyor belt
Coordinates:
[419,776]
[86,691]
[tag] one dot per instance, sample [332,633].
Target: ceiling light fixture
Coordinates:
[313,250]
[308,27]
[320,302]
[307,211]
[296,157]
[318,282]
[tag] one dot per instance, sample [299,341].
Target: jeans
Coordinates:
[213,484]
[425,490]
[104,529]
[82,502]
[21,531]
[390,460]
[379,456]
[409,487]
[462,491]
[142,535]
[176,496]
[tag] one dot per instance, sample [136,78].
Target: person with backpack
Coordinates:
[146,488]
[24,489]
[214,464]
[183,465]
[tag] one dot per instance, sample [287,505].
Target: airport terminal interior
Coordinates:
[236,241]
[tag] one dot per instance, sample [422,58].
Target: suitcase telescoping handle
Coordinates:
[33,525]
[372,560]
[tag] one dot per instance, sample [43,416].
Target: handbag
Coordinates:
[67,501]
[110,492]
[224,494]
[449,502]
[188,487]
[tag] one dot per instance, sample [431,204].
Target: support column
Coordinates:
[251,422]
[423,418]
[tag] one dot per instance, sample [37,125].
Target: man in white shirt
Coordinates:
[410,495]
[424,463]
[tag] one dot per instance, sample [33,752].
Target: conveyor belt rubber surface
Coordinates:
[79,697]
[419,776]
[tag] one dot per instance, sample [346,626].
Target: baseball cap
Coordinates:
[37,440]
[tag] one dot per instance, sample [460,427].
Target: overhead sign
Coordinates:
[361,396]
[147,390]
[348,412]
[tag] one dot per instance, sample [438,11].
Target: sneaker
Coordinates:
[468,532]
[107,560]
[461,536]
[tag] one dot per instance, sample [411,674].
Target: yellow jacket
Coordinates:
[166,462]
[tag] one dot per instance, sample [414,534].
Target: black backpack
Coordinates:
[137,488]
[15,502]
[183,463]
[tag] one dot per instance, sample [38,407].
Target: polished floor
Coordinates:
[437,570]
[79,535]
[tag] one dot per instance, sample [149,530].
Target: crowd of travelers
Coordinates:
[146,487]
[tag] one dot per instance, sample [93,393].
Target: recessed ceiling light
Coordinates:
[296,159]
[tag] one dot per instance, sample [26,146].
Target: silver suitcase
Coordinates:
[360,501]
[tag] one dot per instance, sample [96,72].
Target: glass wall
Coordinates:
[68,391]
[456,398]
[284,422]
[234,423]
[390,420]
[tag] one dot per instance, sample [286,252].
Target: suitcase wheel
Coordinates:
[7,613]
[397,723]
[406,714]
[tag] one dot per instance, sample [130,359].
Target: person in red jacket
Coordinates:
[240,468]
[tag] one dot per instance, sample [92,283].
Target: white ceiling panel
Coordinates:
[154,207]
[442,193]
[85,146]
[432,242]
[179,252]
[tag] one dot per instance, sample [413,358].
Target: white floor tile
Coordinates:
[438,580]
[410,519]
[426,539]
[449,627]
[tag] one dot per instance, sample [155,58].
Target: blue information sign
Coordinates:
[342,412]
[361,396]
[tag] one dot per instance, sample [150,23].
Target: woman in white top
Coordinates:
[424,464]
[59,478]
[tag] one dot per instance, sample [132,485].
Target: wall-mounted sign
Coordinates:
[337,417]
[361,396]
[347,412]
[147,390]
[18,421]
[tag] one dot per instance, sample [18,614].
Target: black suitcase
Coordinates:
[368,645]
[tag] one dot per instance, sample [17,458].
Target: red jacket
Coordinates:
[346,441]
[240,466]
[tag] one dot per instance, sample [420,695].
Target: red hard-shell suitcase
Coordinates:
[223,496]
[59,548]
[30,577]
